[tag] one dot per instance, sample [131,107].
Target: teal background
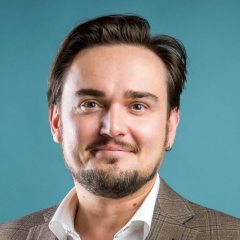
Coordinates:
[205,161]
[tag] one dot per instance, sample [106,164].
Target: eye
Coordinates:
[138,107]
[90,106]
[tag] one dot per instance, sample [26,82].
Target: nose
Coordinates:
[114,122]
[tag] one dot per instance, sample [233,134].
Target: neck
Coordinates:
[101,218]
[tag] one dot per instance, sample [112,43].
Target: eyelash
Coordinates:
[143,107]
[88,102]
[84,106]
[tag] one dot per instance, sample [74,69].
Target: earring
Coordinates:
[169,148]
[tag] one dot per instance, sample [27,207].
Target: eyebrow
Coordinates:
[89,92]
[137,94]
[128,94]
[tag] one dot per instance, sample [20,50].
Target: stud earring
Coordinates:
[169,148]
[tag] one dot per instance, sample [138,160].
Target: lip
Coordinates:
[111,148]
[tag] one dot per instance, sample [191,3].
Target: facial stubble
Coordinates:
[112,182]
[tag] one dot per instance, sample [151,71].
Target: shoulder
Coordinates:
[205,222]
[19,228]
[206,219]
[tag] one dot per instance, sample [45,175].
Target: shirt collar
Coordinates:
[62,223]
[63,219]
[144,214]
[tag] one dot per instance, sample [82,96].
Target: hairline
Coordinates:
[144,46]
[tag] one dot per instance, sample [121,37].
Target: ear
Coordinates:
[54,119]
[172,125]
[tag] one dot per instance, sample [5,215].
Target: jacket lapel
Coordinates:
[170,213]
[42,231]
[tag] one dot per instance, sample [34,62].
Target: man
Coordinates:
[114,97]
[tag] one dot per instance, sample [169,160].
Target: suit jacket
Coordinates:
[174,218]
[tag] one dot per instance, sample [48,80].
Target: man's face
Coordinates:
[112,122]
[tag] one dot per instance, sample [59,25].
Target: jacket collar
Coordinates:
[42,231]
[170,213]
[173,205]
[168,202]
[49,214]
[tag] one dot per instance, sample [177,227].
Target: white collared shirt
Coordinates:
[62,223]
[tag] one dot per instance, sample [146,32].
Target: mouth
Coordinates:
[108,146]
[112,149]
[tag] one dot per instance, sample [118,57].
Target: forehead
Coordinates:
[117,67]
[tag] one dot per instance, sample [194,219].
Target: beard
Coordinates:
[112,182]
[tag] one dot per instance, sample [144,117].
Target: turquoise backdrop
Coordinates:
[205,161]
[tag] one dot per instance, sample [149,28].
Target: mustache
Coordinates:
[132,147]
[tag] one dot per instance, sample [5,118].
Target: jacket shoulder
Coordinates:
[19,228]
[205,219]
[182,213]
[213,224]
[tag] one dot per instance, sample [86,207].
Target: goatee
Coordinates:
[113,183]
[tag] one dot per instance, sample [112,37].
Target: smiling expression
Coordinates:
[113,111]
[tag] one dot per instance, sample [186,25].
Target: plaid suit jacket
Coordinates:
[174,218]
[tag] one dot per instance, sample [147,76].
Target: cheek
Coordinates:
[79,130]
[154,138]
[77,134]
[151,136]
[151,141]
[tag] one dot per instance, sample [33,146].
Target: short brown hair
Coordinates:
[120,29]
